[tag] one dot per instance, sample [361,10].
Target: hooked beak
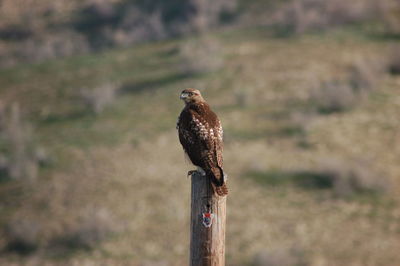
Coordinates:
[183,96]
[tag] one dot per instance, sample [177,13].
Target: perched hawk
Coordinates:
[200,134]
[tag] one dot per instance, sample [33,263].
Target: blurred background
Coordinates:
[308,91]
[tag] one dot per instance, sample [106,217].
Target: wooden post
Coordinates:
[207,244]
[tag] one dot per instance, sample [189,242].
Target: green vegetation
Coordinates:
[311,149]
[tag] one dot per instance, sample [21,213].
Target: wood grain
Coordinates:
[207,245]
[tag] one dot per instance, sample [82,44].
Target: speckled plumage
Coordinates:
[201,135]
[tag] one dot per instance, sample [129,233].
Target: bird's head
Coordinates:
[191,96]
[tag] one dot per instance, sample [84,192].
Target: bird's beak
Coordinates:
[183,96]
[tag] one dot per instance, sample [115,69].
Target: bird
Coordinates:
[201,135]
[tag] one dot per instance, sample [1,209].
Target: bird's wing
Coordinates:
[202,138]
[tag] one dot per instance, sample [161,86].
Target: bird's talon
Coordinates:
[191,172]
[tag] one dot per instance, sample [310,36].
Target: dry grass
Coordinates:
[140,196]
[98,98]
[280,257]
[141,179]
[94,227]
[201,55]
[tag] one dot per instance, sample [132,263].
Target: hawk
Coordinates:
[200,133]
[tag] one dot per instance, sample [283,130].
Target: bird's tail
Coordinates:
[218,181]
[222,190]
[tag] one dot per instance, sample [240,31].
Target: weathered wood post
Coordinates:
[207,226]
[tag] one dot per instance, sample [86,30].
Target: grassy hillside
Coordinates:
[33,31]
[314,175]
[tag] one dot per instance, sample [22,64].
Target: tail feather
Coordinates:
[222,190]
[218,181]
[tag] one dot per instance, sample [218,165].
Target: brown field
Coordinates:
[314,178]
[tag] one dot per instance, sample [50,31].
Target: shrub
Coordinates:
[17,147]
[340,95]
[394,61]
[343,178]
[300,16]
[364,75]
[46,32]
[130,22]
[353,178]
[200,56]
[207,13]
[186,16]
[51,45]
[333,96]
[137,26]
[242,97]
[97,99]
[389,14]
[22,235]
[95,226]
[3,167]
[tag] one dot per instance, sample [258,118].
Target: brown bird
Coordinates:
[200,133]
